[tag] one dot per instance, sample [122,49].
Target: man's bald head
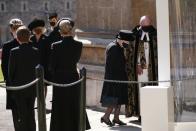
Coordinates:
[145,21]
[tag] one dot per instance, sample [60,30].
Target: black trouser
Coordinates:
[23,114]
[15,119]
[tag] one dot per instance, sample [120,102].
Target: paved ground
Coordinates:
[94,115]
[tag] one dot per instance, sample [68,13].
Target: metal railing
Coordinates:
[41,109]
[40,81]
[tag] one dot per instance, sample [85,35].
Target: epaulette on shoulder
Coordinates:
[55,43]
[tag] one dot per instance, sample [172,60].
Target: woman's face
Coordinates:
[38,30]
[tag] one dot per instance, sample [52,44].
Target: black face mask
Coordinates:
[52,23]
[146,28]
[125,45]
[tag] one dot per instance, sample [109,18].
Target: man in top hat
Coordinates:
[14,24]
[115,94]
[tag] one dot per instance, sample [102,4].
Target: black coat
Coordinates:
[5,56]
[21,70]
[54,36]
[4,66]
[115,69]
[22,63]
[44,48]
[65,107]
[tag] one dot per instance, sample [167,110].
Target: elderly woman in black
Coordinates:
[115,94]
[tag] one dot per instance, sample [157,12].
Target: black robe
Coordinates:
[65,107]
[115,69]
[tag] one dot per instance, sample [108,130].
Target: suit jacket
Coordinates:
[22,63]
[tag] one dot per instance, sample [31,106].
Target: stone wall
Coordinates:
[34,8]
[110,15]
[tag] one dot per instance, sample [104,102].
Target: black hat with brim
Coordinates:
[125,35]
[36,23]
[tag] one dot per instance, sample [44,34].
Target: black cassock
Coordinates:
[65,107]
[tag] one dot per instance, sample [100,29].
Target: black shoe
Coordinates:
[119,122]
[107,122]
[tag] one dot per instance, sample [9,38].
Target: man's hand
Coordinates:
[139,70]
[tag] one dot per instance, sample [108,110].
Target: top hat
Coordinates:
[125,35]
[36,23]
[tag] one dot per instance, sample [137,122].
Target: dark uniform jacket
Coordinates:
[21,71]
[22,63]
[115,69]
[4,65]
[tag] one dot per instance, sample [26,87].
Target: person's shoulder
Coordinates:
[56,44]
[136,29]
[7,43]
[111,45]
[34,48]
[79,43]
[44,36]
[16,49]
[153,30]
